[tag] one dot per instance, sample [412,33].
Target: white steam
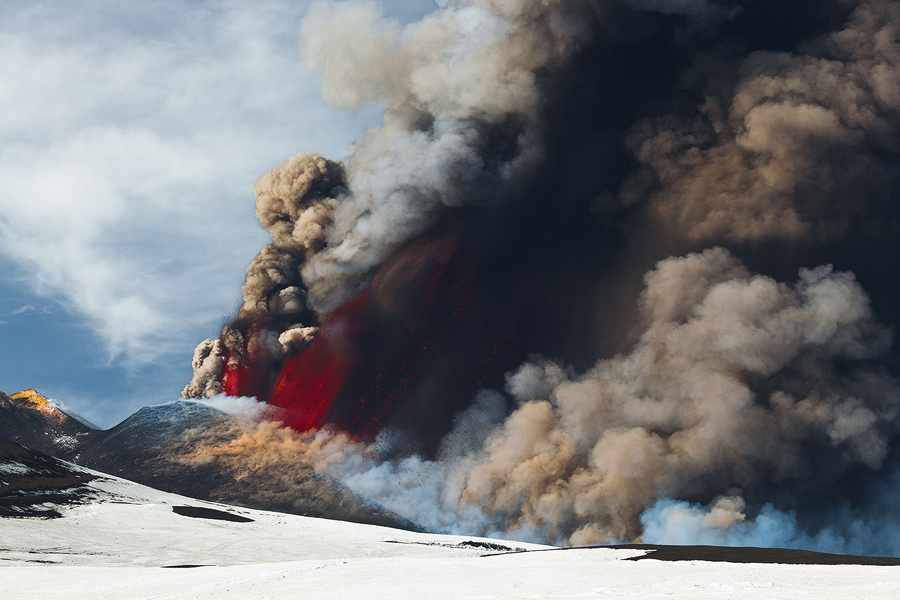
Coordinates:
[871,531]
[248,409]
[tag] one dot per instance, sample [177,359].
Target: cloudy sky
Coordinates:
[132,135]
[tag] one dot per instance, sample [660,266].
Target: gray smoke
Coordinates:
[450,83]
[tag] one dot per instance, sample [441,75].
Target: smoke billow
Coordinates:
[790,146]
[733,389]
[732,386]
[609,269]
[208,365]
[295,204]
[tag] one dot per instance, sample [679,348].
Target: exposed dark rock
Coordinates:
[736,554]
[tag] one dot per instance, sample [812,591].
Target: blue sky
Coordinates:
[132,135]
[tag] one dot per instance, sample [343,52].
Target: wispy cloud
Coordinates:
[29,309]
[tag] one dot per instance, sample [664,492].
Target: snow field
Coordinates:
[117,549]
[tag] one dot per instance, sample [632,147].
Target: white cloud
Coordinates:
[133,134]
[28,309]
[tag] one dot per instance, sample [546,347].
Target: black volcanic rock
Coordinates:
[751,555]
[33,484]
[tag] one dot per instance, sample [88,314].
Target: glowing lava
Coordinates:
[407,353]
[308,383]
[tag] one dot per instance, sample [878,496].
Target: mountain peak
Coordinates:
[31,399]
[32,420]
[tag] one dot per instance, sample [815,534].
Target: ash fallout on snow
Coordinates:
[609,269]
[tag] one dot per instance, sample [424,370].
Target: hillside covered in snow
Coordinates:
[114,538]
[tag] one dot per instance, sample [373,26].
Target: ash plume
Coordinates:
[208,365]
[733,388]
[608,270]
[461,91]
[462,120]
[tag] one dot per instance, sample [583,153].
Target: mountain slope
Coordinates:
[109,521]
[33,484]
[30,419]
[156,447]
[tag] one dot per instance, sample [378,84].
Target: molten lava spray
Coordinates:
[610,269]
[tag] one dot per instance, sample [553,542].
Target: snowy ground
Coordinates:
[121,547]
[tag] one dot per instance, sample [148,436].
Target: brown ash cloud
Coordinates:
[686,211]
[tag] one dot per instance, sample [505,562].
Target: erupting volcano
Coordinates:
[607,266]
[408,352]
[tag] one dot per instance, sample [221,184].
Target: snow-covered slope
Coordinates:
[127,524]
[124,542]
[33,484]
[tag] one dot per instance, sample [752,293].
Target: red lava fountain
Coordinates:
[408,352]
[309,382]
